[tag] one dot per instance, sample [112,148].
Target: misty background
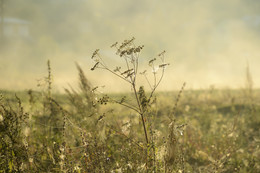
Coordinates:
[207,42]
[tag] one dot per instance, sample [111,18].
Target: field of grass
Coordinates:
[209,131]
[84,131]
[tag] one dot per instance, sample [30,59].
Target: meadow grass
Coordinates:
[209,130]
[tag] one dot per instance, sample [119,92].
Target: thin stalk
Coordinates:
[105,68]
[156,86]
[128,106]
[133,141]
[141,114]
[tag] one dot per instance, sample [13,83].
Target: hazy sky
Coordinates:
[207,42]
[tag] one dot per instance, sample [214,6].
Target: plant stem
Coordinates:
[141,114]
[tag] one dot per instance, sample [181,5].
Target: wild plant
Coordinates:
[47,154]
[82,101]
[13,137]
[130,54]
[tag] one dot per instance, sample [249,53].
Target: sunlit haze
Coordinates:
[207,42]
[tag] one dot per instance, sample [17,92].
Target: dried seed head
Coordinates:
[95,53]
[151,61]
[163,65]
[130,74]
[117,69]
[94,89]
[142,97]
[95,66]
[104,100]
[114,45]
[127,71]
[162,53]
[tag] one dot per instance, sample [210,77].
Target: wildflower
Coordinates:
[1,118]
[77,168]
[231,135]
[30,160]
[26,131]
[62,157]
[141,167]
[129,165]
[181,132]
[126,127]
